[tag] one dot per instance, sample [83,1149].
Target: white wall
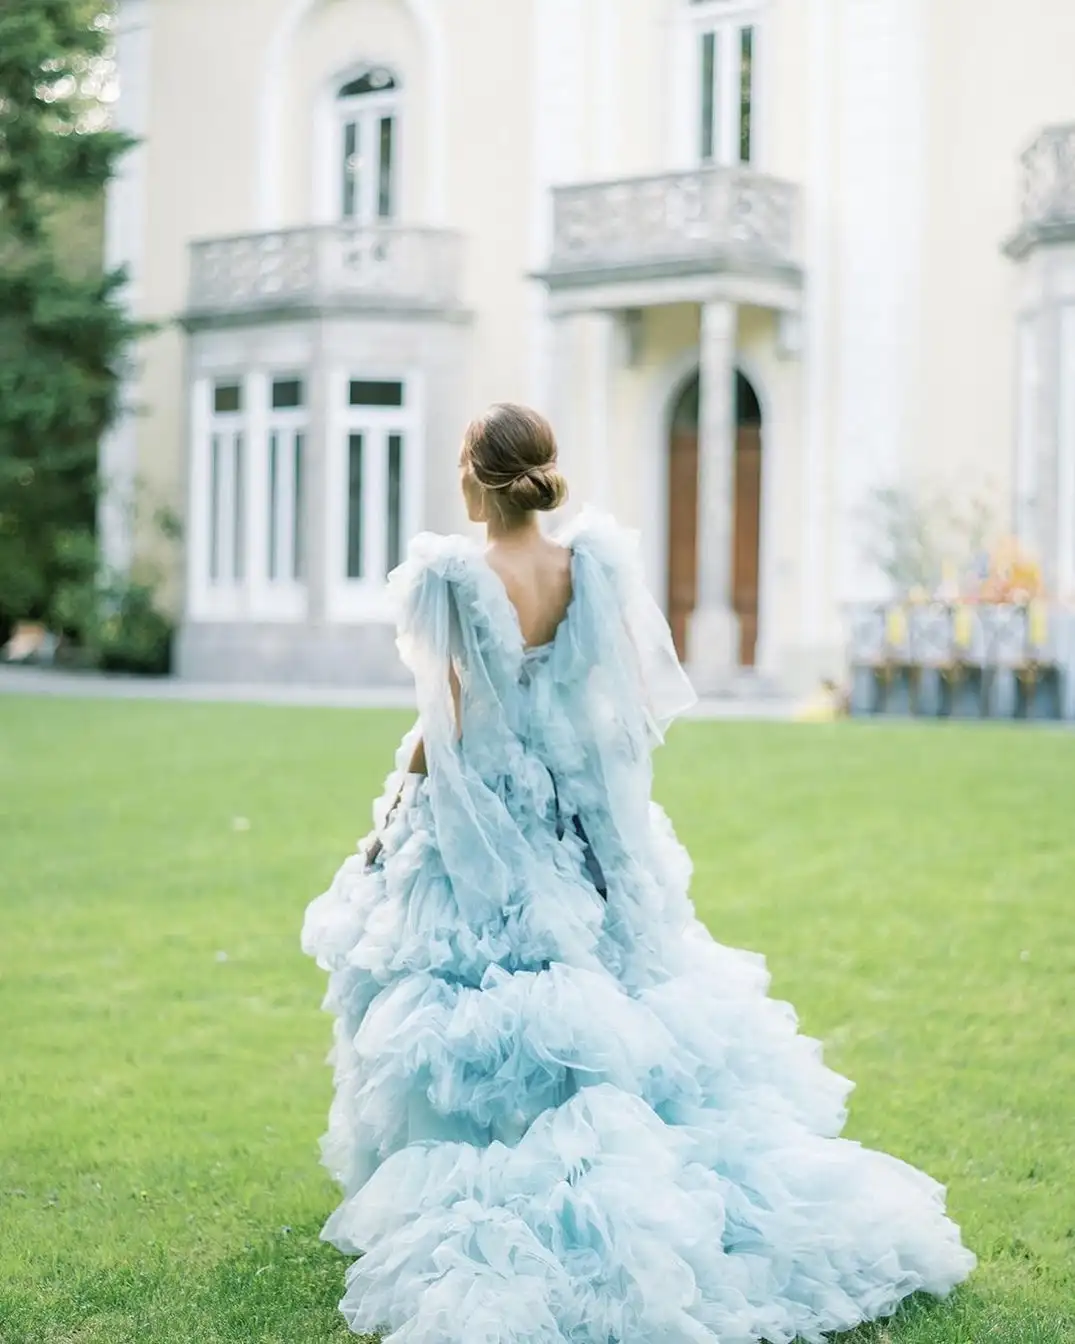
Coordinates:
[900,119]
[997,75]
[199,180]
[332,42]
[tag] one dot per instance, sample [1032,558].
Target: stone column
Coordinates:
[565,412]
[1049,501]
[600,449]
[713,637]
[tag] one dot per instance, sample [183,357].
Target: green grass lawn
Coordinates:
[162,1085]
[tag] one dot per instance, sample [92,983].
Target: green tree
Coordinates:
[63,333]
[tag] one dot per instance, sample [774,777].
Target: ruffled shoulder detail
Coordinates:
[430,556]
[480,605]
[449,555]
[598,533]
[615,551]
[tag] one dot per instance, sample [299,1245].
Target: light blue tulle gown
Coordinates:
[561,1115]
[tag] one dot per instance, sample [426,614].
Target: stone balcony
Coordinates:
[336,268]
[1048,204]
[712,222]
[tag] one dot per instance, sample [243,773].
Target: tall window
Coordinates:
[376,479]
[377,474]
[368,146]
[249,497]
[286,470]
[726,39]
[227,485]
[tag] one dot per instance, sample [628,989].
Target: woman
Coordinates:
[563,1112]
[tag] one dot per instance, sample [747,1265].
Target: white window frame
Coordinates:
[726,19]
[333,116]
[223,596]
[250,595]
[284,597]
[353,601]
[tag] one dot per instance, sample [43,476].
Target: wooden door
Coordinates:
[683,536]
[747,545]
[682,532]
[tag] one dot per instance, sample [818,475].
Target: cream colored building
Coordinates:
[749,254]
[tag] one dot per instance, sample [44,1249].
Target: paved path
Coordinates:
[92,686]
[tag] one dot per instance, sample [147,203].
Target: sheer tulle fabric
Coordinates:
[558,1118]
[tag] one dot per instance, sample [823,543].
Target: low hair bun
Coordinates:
[539,490]
[510,452]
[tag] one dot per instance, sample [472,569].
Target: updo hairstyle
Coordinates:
[510,451]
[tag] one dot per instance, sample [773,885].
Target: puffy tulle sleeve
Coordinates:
[663,686]
[427,624]
[439,609]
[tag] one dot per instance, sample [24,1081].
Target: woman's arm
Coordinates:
[418,760]
[418,764]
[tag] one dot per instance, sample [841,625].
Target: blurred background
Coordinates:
[795,280]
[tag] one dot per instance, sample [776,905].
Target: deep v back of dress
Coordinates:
[539,583]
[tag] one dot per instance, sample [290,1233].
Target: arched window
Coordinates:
[367,137]
[725,62]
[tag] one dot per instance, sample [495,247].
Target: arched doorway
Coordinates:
[683,514]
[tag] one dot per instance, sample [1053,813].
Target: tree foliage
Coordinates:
[51,53]
[63,334]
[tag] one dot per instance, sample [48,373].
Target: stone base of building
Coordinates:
[224,652]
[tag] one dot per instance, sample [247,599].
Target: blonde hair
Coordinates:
[511,453]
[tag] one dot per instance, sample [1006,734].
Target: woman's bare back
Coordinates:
[536,573]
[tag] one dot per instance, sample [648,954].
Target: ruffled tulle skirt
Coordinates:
[558,1120]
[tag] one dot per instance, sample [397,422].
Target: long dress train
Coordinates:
[563,1112]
